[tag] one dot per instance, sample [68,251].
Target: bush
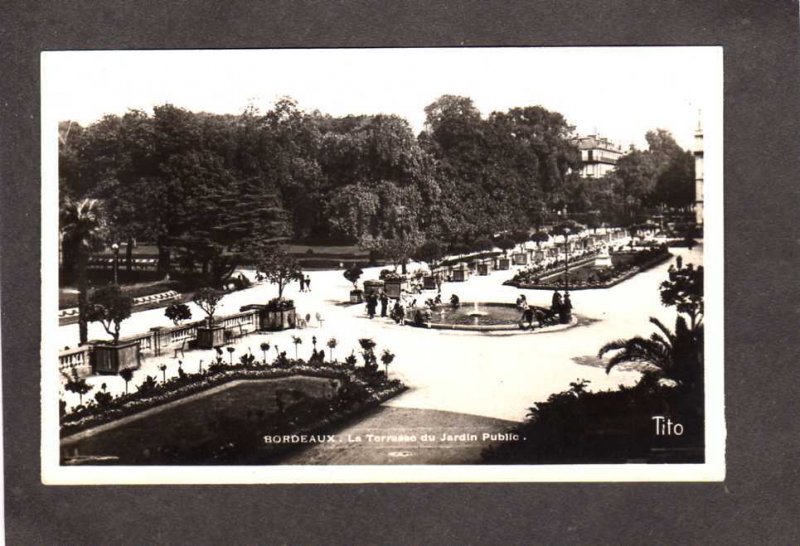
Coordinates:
[578,426]
[280,304]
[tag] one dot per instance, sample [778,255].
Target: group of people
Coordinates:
[305,283]
[373,299]
[561,307]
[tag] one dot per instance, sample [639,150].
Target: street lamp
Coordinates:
[115,248]
[566,259]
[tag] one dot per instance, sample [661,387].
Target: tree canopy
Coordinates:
[205,188]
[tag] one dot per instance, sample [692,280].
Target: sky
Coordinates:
[619,92]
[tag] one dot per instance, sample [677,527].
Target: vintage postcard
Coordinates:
[382,265]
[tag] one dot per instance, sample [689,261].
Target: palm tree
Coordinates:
[676,355]
[82,226]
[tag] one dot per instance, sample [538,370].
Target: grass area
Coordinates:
[199,430]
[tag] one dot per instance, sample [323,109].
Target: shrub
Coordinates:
[178,312]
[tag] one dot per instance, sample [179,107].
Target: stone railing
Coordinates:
[75,358]
[161,340]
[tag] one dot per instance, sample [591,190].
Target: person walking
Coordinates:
[308,283]
[302,283]
[384,304]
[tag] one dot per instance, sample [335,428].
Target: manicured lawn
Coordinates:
[198,431]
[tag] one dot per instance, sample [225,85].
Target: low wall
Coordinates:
[160,341]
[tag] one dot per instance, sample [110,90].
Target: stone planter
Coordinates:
[356,296]
[112,359]
[484,268]
[520,258]
[373,286]
[273,320]
[209,337]
[394,287]
[503,264]
[429,282]
[460,275]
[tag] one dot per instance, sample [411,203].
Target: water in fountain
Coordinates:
[476,314]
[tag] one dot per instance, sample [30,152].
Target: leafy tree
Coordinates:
[505,244]
[430,252]
[352,274]
[178,312]
[109,306]
[540,237]
[277,267]
[83,227]
[207,299]
[398,250]
[684,290]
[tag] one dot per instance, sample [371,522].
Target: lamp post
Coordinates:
[566,259]
[115,248]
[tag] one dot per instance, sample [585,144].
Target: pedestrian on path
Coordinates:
[302,283]
[384,304]
[308,283]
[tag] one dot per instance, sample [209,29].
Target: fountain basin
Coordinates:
[488,317]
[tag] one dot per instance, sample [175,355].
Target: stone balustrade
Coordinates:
[162,340]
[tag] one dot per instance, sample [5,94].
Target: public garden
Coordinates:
[425,306]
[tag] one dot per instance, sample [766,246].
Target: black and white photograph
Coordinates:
[475,264]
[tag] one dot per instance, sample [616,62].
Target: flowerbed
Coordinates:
[630,265]
[371,386]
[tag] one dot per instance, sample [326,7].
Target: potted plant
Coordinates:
[278,267]
[109,306]
[352,274]
[209,335]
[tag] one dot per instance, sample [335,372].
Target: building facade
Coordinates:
[698,175]
[598,155]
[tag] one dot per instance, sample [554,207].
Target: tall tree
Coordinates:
[82,225]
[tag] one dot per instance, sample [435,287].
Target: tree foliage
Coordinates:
[277,267]
[109,306]
[684,290]
[207,299]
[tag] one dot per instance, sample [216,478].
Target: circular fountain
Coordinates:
[476,314]
[481,317]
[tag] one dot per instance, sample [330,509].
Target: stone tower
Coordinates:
[698,175]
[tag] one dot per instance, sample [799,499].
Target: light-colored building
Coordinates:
[698,175]
[598,155]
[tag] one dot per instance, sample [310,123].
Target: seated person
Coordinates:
[455,302]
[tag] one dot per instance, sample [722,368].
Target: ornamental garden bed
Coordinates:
[586,276]
[227,425]
[354,388]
